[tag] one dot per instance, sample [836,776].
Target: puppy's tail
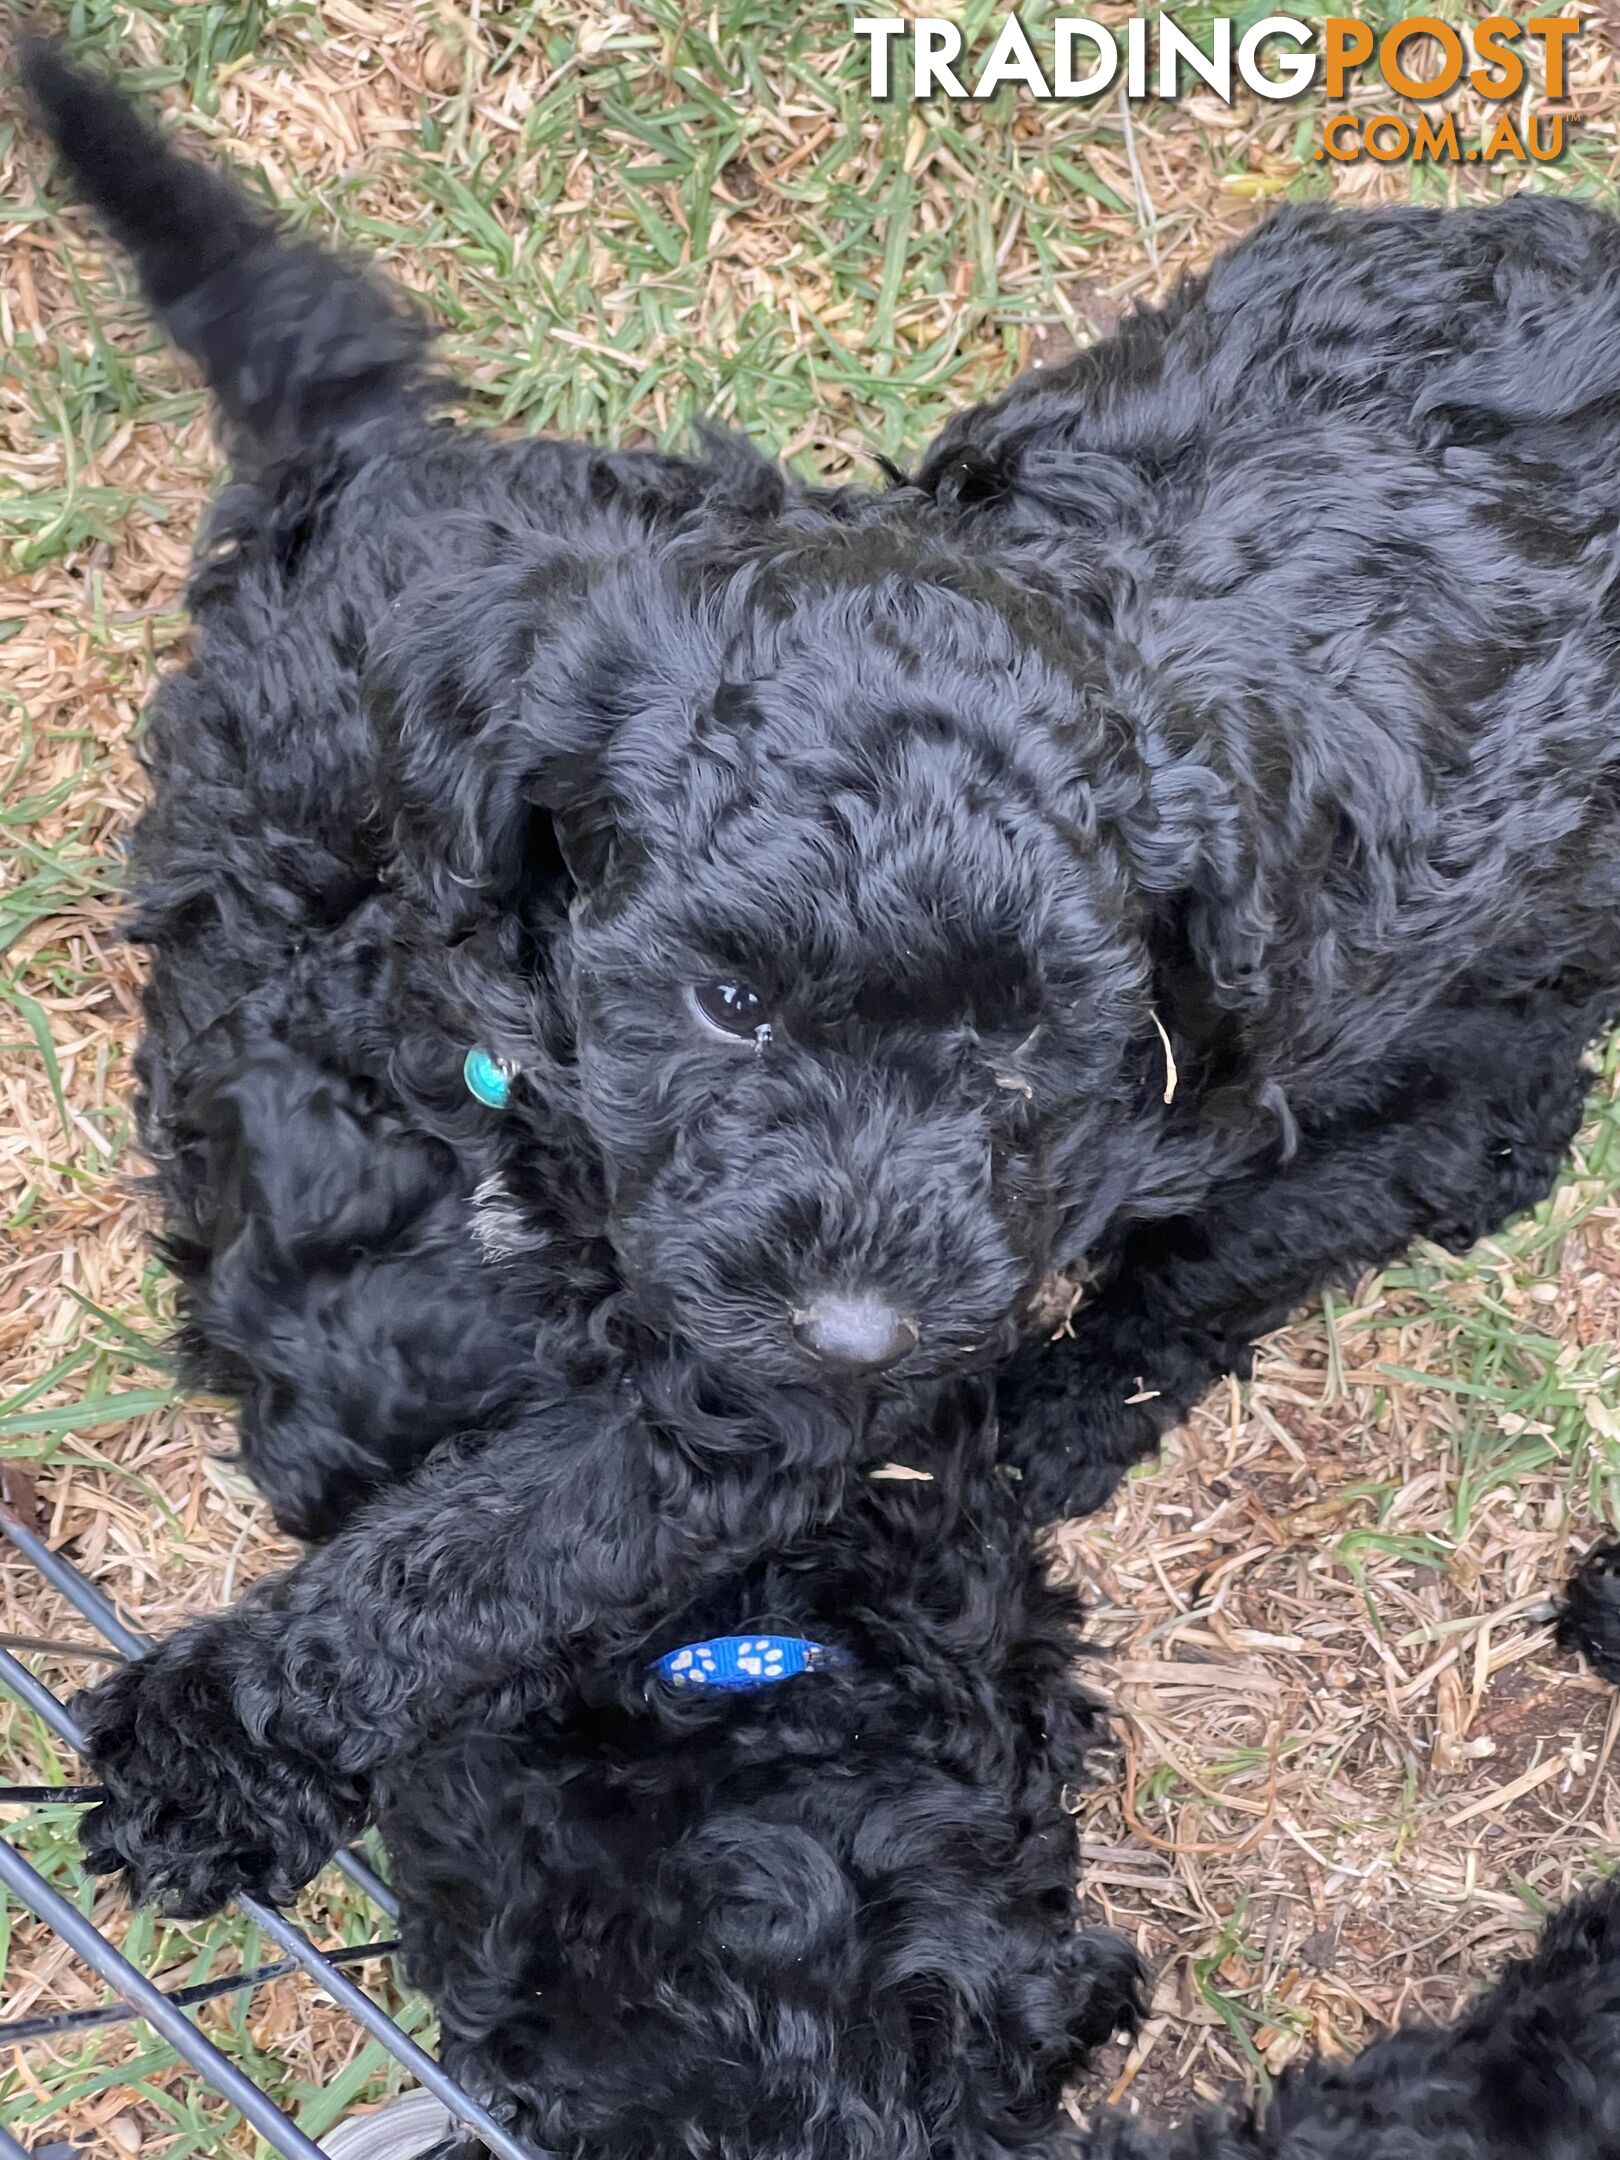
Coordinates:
[303,352]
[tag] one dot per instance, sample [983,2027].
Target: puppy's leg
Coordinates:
[241,1752]
[1190,1298]
[1589,1615]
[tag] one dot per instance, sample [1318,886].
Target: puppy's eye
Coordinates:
[730,1009]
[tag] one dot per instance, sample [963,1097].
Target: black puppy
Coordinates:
[809,876]
[844,878]
[832,1917]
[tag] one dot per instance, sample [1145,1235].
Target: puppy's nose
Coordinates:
[857,1332]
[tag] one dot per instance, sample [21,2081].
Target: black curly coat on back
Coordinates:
[1589,1612]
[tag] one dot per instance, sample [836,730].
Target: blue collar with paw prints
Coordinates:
[736,1664]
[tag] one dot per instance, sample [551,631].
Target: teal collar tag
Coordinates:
[489,1078]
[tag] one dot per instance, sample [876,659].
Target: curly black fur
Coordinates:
[1255,673]
[831,1920]
[1531,2072]
[242,1750]
[1589,1615]
[1254,676]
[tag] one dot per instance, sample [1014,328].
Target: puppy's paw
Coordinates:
[197,1810]
[1589,1617]
[1106,1983]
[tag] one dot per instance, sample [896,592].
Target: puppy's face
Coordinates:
[853,955]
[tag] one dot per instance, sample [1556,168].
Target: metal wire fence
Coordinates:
[138,1994]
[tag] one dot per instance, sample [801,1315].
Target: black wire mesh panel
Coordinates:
[138,1994]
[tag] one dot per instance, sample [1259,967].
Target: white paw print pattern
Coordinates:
[761,1659]
[741,1661]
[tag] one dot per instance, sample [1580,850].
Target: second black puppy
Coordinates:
[824,1917]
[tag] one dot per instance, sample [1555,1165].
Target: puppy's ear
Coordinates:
[491,772]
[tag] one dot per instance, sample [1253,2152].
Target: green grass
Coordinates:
[836,309]
[1526,1398]
[182,2117]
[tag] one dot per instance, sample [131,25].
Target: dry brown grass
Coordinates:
[1350,1763]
